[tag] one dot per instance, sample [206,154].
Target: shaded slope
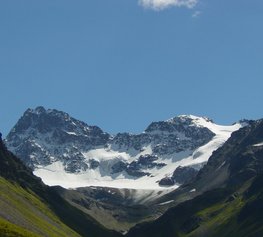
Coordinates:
[28,207]
[227,206]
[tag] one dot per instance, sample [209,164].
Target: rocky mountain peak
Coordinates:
[176,124]
[182,132]
[39,109]
[44,135]
[188,119]
[49,140]
[44,121]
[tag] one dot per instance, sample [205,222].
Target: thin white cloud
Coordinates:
[162,4]
[196,14]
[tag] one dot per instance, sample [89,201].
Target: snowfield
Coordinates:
[55,174]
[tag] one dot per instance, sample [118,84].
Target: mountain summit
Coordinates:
[65,151]
[42,136]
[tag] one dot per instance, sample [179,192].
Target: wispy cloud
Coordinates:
[162,4]
[196,14]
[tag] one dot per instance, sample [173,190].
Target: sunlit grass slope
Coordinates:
[22,209]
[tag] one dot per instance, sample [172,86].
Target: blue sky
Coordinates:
[121,64]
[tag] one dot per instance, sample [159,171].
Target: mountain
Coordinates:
[43,136]
[120,180]
[67,152]
[225,199]
[30,208]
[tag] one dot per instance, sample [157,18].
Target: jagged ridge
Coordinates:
[53,143]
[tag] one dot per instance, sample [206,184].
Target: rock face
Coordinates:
[166,137]
[181,175]
[167,181]
[49,140]
[184,175]
[43,136]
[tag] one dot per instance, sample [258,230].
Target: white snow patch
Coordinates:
[259,144]
[72,133]
[105,154]
[164,203]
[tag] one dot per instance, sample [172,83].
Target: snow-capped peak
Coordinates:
[65,151]
[190,119]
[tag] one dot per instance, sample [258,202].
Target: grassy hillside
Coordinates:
[24,209]
[30,208]
[8,229]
